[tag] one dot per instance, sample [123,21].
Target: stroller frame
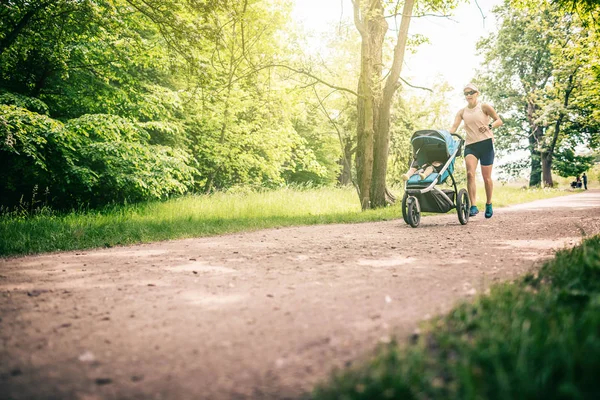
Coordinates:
[426,197]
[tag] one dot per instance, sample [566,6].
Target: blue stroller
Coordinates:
[422,195]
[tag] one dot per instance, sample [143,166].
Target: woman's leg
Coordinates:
[486,172]
[471,164]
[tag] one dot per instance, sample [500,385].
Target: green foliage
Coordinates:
[29,146]
[28,103]
[126,77]
[540,76]
[106,128]
[322,141]
[166,133]
[94,160]
[567,164]
[121,171]
[256,152]
[537,338]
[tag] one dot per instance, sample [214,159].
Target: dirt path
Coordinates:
[255,315]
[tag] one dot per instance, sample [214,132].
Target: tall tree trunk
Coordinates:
[546,158]
[535,175]
[380,195]
[364,136]
[345,177]
[536,133]
[364,126]
[548,152]
[374,102]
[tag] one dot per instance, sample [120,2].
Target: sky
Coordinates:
[450,54]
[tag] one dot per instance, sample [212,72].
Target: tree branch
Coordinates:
[481,11]
[301,72]
[332,122]
[357,21]
[396,69]
[415,87]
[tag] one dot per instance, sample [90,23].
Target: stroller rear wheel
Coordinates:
[462,206]
[414,214]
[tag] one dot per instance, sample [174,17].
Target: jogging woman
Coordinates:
[479,121]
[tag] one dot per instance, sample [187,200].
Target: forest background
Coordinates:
[113,101]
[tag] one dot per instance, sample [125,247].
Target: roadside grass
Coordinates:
[197,216]
[536,338]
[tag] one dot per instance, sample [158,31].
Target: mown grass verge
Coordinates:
[537,338]
[197,216]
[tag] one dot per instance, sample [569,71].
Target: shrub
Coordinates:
[93,160]
[29,143]
[28,103]
[125,171]
[106,128]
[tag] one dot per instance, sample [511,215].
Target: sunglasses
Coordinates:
[469,93]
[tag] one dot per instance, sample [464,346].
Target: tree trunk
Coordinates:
[536,133]
[364,135]
[380,195]
[365,105]
[345,177]
[547,169]
[377,30]
[374,102]
[535,176]
[548,153]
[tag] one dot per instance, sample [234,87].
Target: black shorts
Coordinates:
[483,151]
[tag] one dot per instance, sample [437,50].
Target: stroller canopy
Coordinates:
[429,139]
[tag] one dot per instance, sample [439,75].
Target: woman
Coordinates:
[479,144]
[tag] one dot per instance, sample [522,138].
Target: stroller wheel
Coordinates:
[414,214]
[405,207]
[462,206]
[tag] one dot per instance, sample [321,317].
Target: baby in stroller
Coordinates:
[424,170]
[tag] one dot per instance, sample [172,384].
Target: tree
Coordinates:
[376,89]
[567,163]
[538,64]
[374,101]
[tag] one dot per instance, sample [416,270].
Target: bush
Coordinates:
[91,160]
[29,146]
[123,171]
[28,103]
[106,128]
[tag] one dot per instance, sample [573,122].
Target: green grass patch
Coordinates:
[197,216]
[537,338]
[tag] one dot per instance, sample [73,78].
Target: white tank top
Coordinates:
[475,118]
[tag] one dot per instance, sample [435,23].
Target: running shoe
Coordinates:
[473,211]
[488,210]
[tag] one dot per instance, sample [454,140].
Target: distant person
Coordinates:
[584,177]
[479,120]
[578,181]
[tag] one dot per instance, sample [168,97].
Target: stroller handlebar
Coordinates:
[457,136]
[461,142]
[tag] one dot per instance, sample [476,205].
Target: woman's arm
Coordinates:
[457,121]
[490,112]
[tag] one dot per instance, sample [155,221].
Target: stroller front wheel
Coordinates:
[413,214]
[462,206]
[405,207]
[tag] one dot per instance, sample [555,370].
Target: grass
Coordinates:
[197,216]
[537,338]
